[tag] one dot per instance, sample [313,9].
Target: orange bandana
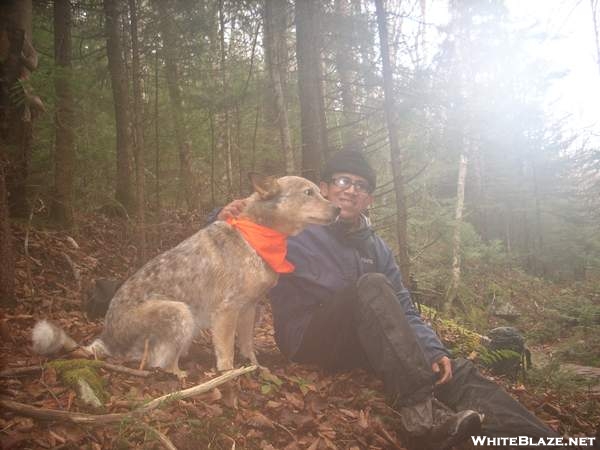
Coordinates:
[271,245]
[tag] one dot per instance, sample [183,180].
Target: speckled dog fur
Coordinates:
[213,279]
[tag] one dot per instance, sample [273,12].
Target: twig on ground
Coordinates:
[126,370]
[74,269]
[26,248]
[101,419]
[164,440]
[277,424]
[18,371]
[201,388]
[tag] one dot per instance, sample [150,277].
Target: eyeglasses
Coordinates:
[344,183]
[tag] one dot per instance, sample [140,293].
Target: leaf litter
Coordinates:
[287,406]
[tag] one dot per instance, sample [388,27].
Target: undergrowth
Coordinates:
[563,317]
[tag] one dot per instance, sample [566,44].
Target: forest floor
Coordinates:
[289,407]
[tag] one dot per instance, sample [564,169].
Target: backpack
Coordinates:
[508,353]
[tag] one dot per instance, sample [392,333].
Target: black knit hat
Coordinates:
[349,161]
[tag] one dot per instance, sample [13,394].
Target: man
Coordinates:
[344,307]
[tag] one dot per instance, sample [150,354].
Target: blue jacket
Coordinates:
[327,260]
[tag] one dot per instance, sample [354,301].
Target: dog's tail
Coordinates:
[49,339]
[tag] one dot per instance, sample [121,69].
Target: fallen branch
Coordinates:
[199,389]
[18,371]
[126,370]
[64,416]
[101,419]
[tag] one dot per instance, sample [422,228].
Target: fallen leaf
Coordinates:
[295,400]
[257,419]
[315,444]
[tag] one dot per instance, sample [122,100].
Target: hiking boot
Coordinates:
[456,429]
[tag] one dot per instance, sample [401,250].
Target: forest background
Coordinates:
[138,110]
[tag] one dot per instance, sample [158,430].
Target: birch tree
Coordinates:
[458,220]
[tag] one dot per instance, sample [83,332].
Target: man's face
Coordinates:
[351,199]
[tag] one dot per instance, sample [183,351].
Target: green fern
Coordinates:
[490,358]
[17,94]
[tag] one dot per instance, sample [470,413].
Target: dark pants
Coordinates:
[366,327]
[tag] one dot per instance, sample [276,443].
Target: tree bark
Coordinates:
[351,137]
[7,268]
[20,105]
[224,141]
[165,9]
[61,209]
[138,136]
[312,109]
[395,152]
[595,21]
[452,292]
[273,35]
[18,108]
[120,89]
[156,137]
[480,196]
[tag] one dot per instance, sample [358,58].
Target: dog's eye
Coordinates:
[309,192]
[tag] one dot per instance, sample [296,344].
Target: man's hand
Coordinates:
[233,209]
[442,367]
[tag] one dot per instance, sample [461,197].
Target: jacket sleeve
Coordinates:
[431,344]
[212,216]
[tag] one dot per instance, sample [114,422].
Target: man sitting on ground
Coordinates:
[345,307]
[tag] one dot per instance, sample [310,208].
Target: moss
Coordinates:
[71,371]
[461,340]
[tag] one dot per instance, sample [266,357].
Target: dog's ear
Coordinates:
[266,186]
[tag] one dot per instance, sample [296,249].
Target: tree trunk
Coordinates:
[452,292]
[7,268]
[395,153]
[312,108]
[61,209]
[480,196]
[351,137]
[224,123]
[156,137]
[595,20]
[273,36]
[138,136]
[21,106]
[120,89]
[172,72]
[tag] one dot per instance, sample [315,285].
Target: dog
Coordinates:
[214,279]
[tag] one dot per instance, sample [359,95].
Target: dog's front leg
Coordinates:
[245,332]
[224,324]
